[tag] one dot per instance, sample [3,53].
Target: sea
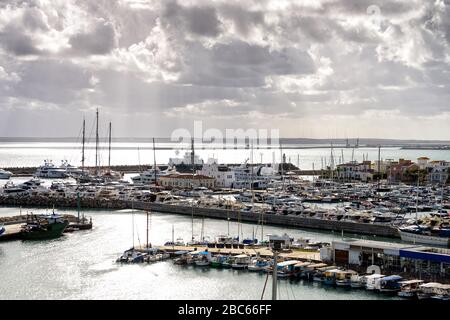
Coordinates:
[306,157]
[81,265]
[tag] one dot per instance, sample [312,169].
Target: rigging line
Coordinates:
[137,232]
[265,284]
[292,290]
[287,291]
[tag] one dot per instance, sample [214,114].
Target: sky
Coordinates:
[311,68]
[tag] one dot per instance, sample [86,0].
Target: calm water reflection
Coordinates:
[81,265]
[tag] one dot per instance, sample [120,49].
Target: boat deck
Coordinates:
[11,232]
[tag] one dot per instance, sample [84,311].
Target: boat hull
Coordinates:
[424,239]
[51,231]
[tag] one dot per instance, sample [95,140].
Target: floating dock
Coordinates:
[301,255]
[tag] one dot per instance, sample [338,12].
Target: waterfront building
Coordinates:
[394,257]
[438,171]
[355,171]
[185,181]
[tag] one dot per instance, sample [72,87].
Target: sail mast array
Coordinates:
[96,144]
[109,147]
[82,148]
[154,162]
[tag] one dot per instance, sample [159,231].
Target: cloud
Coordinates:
[274,63]
[101,40]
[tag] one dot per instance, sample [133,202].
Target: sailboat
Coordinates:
[132,255]
[423,233]
[99,176]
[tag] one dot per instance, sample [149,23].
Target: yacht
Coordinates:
[148,176]
[48,170]
[425,235]
[5,174]
[70,169]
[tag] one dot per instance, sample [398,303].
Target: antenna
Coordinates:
[82,148]
[96,143]
[109,148]
[154,162]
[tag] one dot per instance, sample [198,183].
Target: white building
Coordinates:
[185,160]
[438,171]
[223,175]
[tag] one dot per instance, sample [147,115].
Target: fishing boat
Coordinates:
[257,265]
[203,259]
[357,281]
[330,276]
[182,257]
[240,262]
[442,292]
[285,269]
[372,279]
[409,289]
[228,261]
[299,269]
[43,227]
[427,290]
[344,278]
[390,284]
[216,261]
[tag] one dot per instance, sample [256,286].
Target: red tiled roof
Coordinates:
[186,177]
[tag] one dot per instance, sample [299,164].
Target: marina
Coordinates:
[222,150]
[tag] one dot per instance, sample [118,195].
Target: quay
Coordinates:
[291,221]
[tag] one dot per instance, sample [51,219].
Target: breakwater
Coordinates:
[215,213]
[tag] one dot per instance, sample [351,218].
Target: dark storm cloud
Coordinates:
[239,64]
[101,40]
[16,41]
[198,20]
[51,81]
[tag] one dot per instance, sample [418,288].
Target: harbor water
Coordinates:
[33,154]
[81,265]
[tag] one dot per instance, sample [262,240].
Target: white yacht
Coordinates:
[48,170]
[5,174]
[148,176]
[70,169]
[186,160]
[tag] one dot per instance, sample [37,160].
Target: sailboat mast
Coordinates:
[417,195]
[96,143]
[253,191]
[192,191]
[82,145]
[379,166]
[154,162]
[147,232]
[109,147]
